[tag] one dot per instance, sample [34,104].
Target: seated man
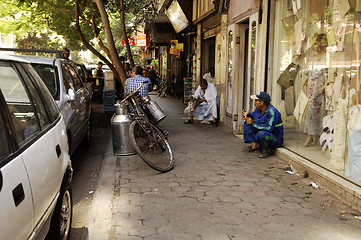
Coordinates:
[263,127]
[206,111]
[131,84]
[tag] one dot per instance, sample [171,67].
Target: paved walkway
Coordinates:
[216,191]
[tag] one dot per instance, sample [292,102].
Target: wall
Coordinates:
[239,8]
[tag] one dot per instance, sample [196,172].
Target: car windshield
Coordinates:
[49,75]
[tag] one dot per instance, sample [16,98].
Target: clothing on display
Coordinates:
[300,108]
[316,106]
[340,133]
[354,143]
[326,138]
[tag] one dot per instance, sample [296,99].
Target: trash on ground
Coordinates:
[290,172]
[313,184]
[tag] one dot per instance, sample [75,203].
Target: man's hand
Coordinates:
[249,120]
[202,100]
[244,114]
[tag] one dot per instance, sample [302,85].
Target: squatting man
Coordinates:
[206,111]
[263,127]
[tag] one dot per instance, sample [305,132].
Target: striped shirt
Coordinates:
[131,84]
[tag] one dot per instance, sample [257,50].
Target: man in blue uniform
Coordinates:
[263,127]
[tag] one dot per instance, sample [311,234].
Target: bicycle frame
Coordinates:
[147,138]
[137,113]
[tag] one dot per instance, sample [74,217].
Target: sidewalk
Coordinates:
[216,191]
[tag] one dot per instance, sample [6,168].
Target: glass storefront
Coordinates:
[317,77]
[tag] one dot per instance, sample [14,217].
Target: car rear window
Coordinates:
[20,106]
[49,75]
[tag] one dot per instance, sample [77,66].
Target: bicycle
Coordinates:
[147,138]
[164,88]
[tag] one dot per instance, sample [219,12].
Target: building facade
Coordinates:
[316,81]
[306,54]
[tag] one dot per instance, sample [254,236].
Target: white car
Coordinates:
[35,167]
[71,93]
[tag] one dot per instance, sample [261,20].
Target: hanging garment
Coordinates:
[339,138]
[354,144]
[301,107]
[316,106]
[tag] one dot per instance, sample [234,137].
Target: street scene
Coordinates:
[215,191]
[180,119]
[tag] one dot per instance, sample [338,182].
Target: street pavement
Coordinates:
[216,191]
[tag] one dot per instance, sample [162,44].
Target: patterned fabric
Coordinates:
[339,138]
[131,84]
[316,104]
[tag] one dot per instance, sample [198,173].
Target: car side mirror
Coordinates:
[71,94]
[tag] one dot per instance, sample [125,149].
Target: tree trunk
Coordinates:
[110,41]
[89,46]
[124,32]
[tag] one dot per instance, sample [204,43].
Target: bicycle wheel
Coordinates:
[151,145]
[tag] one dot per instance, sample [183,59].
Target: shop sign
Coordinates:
[179,46]
[174,51]
[142,40]
[130,40]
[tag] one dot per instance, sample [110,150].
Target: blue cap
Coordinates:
[263,96]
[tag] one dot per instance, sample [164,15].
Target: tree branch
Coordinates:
[110,41]
[88,45]
[97,37]
[124,32]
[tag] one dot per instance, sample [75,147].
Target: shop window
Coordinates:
[230,71]
[317,82]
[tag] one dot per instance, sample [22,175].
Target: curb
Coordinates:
[346,191]
[99,219]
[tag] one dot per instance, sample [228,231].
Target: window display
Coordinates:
[317,69]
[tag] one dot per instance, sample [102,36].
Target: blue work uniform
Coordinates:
[266,129]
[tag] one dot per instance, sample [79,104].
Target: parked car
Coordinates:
[35,167]
[84,74]
[71,93]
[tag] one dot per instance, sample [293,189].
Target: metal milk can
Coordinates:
[120,123]
[156,113]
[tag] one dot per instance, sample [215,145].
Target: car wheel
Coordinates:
[60,225]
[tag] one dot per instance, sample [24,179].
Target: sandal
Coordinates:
[250,149]
[215,124]
[188,121]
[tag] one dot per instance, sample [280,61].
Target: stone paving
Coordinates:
[218,191]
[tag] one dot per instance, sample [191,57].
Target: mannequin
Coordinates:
[315,83]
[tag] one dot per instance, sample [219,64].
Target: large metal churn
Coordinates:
[120,131]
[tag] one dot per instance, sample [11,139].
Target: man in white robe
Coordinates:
[209,76]
[206,111]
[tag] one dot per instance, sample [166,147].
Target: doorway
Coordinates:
[249,49]
[209,53]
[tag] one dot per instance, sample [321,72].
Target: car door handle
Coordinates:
[1,181]
[58,150]
[18,194]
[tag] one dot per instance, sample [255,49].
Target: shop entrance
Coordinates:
[245,73]
[209,54]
